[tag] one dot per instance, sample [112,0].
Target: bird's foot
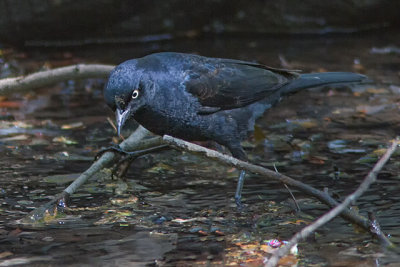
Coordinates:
[239,204]
[113,148]
[239,187]
[122,166]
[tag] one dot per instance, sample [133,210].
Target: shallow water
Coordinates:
[175,208]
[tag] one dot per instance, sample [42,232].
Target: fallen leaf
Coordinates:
[304,123]
[379,152]
[21,124]
[21,137]
[39,142]
[370,110]
[267,248]
[124,201]
[231,170]
[297,222]
[5,254]
[72,125]
[64,140]
[218,232]
[316,160]
[377,91]
[10,104]
[289,260]
[249,246]
[202,232]
[359,68]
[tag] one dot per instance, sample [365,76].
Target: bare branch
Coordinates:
[225,159]
[306,231]
[135,141]
[48,77]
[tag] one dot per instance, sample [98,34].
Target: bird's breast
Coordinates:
[173,116]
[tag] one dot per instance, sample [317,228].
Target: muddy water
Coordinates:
[175,208]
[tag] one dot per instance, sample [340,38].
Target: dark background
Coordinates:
[44,22]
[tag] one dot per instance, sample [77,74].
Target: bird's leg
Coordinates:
[239,187]
[238,152]
[137,153]
[130,156]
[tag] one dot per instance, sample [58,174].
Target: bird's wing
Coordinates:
[228,84]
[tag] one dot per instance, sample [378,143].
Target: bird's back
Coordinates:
[199,98]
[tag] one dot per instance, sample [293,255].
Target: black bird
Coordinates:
[198,98]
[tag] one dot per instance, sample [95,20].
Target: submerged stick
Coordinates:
[363,187]
[49,77]
[135,141]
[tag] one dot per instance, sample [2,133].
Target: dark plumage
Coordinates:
[198,98]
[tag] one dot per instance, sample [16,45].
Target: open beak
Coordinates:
[122,116]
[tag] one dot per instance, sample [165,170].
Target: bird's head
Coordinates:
[125,92]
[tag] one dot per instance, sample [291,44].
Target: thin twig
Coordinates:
[306,231]
[49,77]
[290,192]
[110,121]
[298,209]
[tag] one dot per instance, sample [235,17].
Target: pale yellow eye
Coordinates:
[135,94]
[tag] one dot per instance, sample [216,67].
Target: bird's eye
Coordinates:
[135,94]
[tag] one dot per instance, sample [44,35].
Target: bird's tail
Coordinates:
[320,79]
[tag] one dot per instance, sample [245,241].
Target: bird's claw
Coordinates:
[117,171]
[122,166]
[129,157]
[239,204]
[113,148]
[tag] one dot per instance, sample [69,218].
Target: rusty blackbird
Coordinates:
[199,98]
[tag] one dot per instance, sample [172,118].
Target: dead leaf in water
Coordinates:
[124,201]
[21,137]
[10,104]
[377,91]
[296,222]
[39,142]
[64,140]
[288,260]
[74,125]
[370,110]
[255,254]
[161,168]
[5,254]
[379,152]
[317,160]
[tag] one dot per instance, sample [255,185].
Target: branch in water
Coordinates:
[363,187]
[225,159]
[49,77]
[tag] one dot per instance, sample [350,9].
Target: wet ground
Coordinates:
[174,208]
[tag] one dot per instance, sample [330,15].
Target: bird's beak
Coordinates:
[121,116]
